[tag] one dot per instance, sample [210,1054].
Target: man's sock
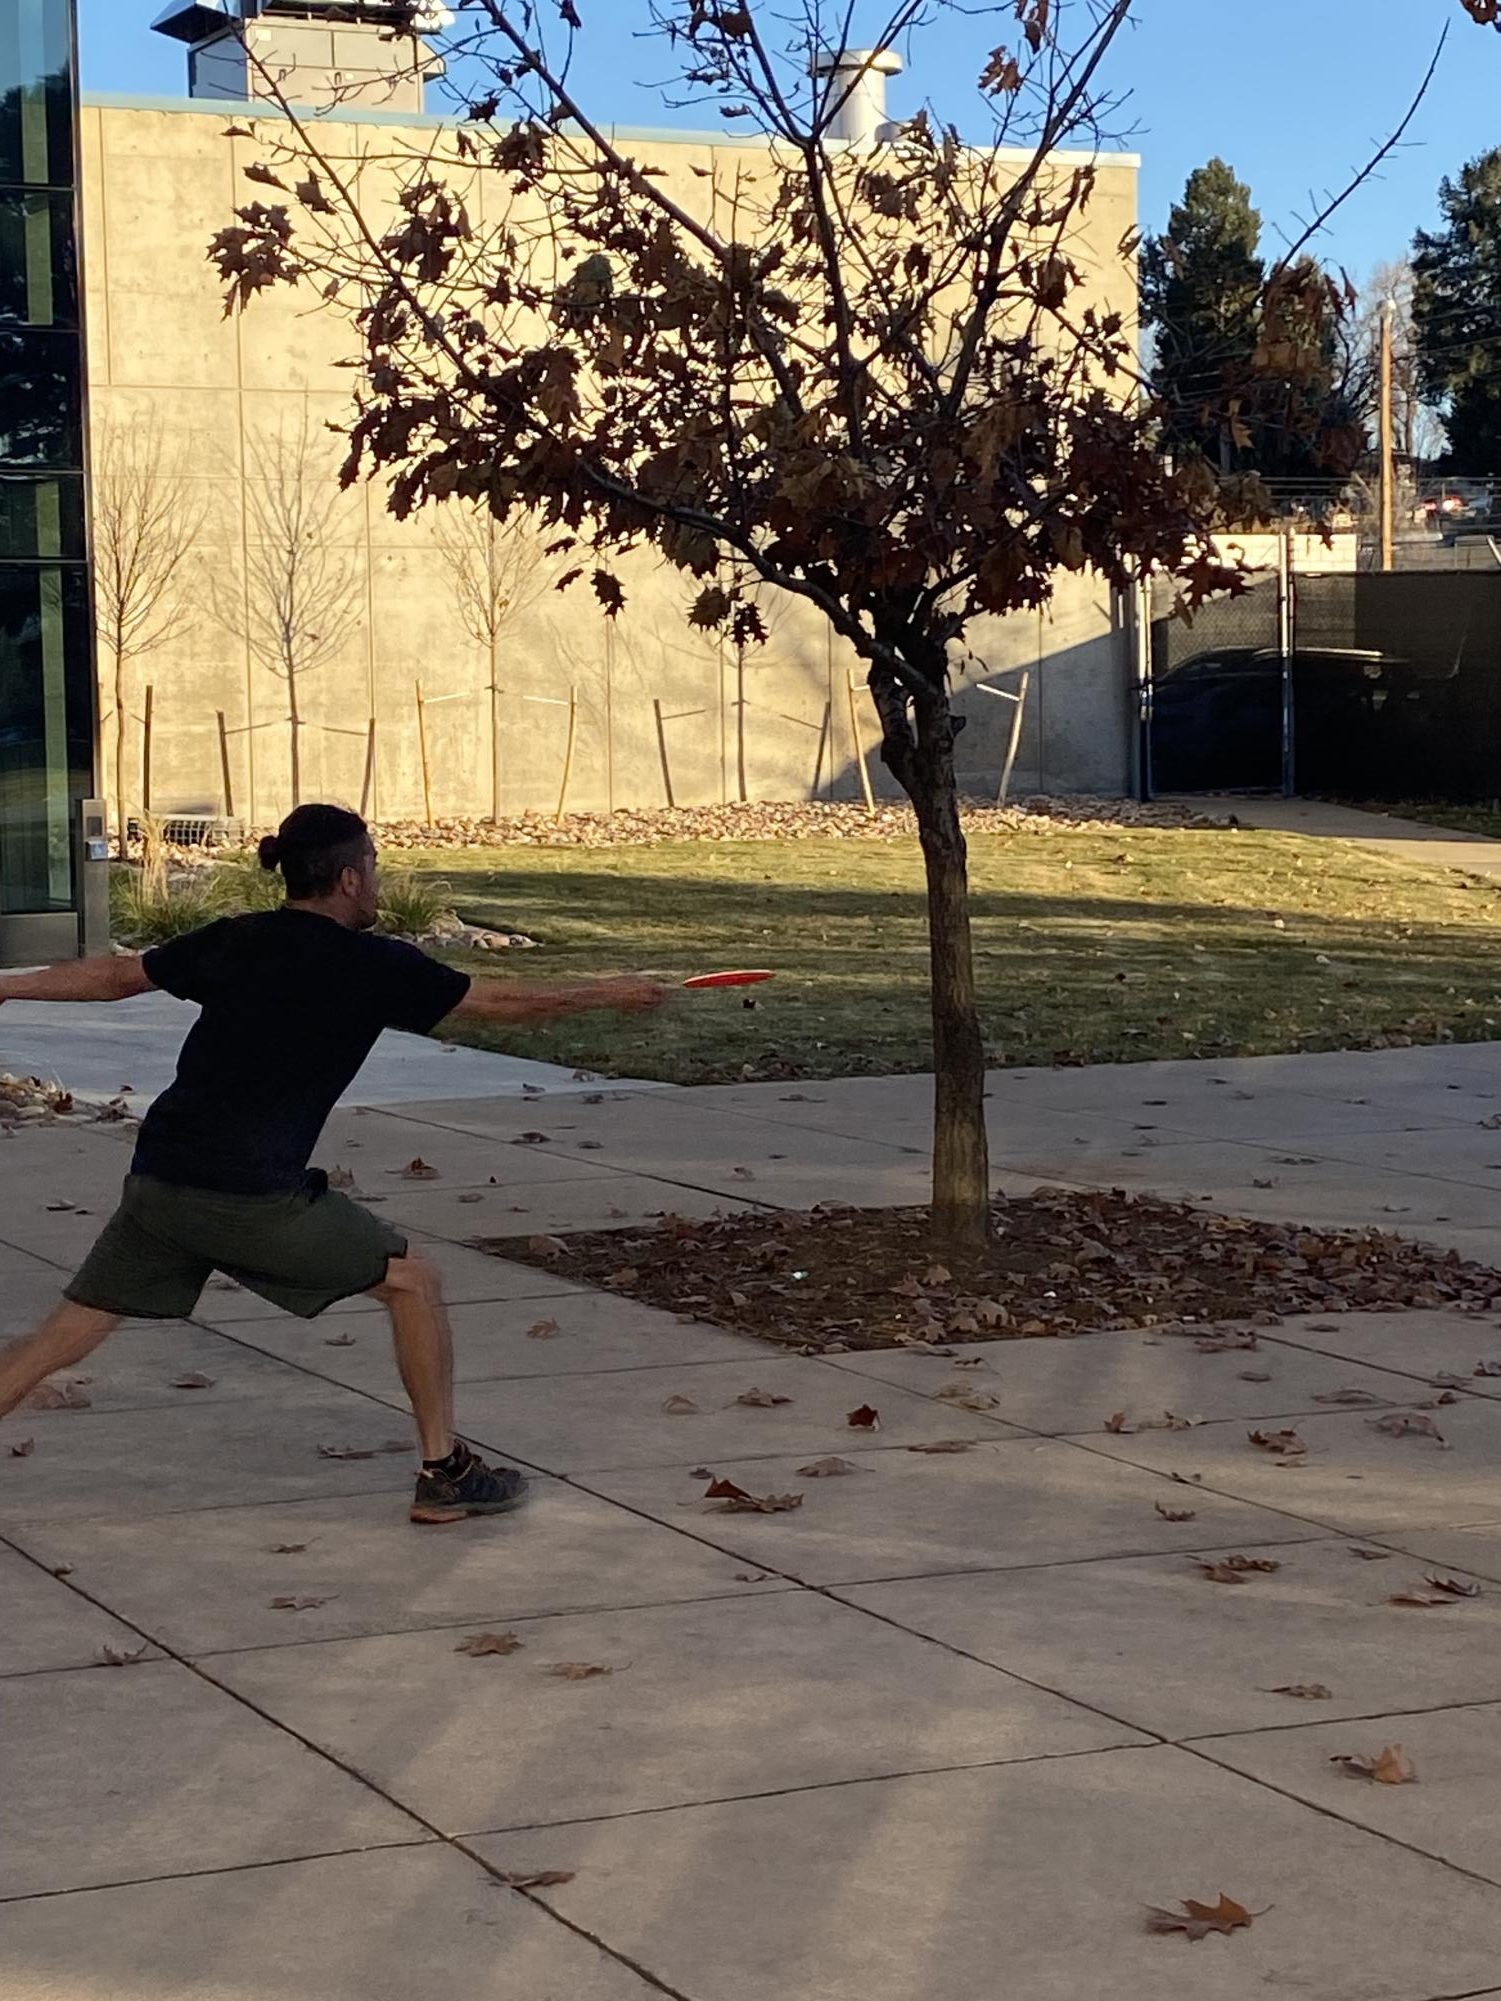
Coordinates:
[454,1462]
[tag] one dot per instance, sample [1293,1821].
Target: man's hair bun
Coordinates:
[269,851]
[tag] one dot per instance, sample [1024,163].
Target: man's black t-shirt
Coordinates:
[292,1005]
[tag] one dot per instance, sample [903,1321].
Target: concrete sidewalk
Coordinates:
[1409,840]
[945,1730]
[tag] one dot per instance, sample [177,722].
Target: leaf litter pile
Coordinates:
[1061,1261]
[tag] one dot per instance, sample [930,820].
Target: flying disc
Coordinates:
[729,980]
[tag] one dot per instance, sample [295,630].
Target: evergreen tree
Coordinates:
[1201,294]
[1457,314]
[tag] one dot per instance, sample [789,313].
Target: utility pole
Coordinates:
[1387,501]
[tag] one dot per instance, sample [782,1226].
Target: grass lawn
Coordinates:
[1094,945]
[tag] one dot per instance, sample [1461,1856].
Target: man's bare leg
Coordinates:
[413,1296]
[65,1337]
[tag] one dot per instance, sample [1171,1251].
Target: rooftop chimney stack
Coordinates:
[366,53]
[858,93]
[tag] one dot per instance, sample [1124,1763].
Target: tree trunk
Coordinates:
[961,1152]
[120,739]
[295,723]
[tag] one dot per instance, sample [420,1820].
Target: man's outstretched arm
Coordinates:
[515,1001]
[113,979]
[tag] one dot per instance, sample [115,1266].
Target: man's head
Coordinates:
[327,860]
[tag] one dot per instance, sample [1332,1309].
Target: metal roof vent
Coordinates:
[858,94]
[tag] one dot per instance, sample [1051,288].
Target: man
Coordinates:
[293,1000]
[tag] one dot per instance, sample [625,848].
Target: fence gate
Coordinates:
[1216,698]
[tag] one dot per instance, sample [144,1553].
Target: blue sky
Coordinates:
[1294,93]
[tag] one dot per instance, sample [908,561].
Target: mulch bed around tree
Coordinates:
[1062,1262]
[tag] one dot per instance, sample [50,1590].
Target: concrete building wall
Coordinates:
[661,711]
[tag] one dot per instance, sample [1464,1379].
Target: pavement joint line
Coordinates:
[818,1786]
[784,1589]
[198,1875]
[1211,1737]
[1079,1562]
[1343,1819]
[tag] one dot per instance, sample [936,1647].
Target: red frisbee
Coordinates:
[729,980]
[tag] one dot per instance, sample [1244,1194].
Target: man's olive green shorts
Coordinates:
[304,1251]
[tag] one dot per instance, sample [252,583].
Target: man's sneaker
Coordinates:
[473,1489]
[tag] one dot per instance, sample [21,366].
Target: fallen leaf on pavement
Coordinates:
[1255,1375]
[1117,1422]
[1218,1573]
[967,1399]
[338,1340]
[1198,1920]
[542,1330]
[363,1451]
[1169,1421]
[23,1448]
[866,1418]
[729,1499]
[1391,1767]
[57,1396]
[1305,1691]
[297,1604]
[193,1380]
[827,1469]
[478,1644]
[1225,1344]
[117,1657]
[945,1445]
[680,1406]
[1346,1396]
[1285,1442]
[1453,1587]
[287,1548]
[1407,1424]
[419,1170]
[1175,1514]
[1448,1382]
[761,1399]
[1372,1555]
[577,1670]
[536,1879]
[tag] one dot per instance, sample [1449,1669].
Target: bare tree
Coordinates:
[499,571]
[147,520]
[300,586]
[1417,426]
[872,375]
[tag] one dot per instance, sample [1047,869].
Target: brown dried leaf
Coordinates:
[1285,1442]
[680,1406]
[1422,1601]
[536,1879]
[1453,1587]
[23,1448]
[1117,1422]
[297,1604]
[546,1247]
[363,1451]
[338,1341]
[626,1276]
[118,1657]
[577,1670]
[479,1644]
[945,1445]
[1198,1920]
[287,1548]
[937,1275]
[729,1499]
[827,1469]
[865,1418]
[761,1399]
[1406,1424]
[1305,1691]
[193,1380]
[1255,1375]
[419,1170]
[57,1396]
[1225,1344]
[1347,1395]
[1218,1573]
[1390,1767]
[542,1330]
[1175,1514]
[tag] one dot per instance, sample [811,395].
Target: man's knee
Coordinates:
[413,1276]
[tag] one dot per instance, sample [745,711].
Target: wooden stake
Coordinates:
[823,744]
[229,790]
[870,797]
[1018,709]
[368,787]
[662,750]
[427,771]
[146,725]
[573,728]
